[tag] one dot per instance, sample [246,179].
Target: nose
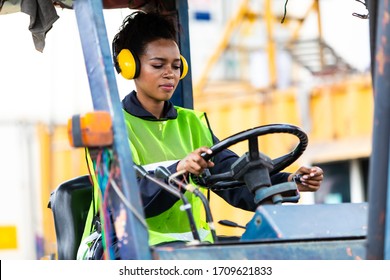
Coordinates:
[169,72]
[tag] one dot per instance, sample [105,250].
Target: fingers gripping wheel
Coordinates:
[129,65]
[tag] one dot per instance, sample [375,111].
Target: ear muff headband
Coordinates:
[130,66]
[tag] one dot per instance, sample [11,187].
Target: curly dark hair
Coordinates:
[140,28]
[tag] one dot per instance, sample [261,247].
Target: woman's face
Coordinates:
[160,71]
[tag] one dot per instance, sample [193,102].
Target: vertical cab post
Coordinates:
[133,244]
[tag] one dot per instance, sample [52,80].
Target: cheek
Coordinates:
[147,75]
[146,72]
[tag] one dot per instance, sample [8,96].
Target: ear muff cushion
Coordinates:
[129,64]
[183,67]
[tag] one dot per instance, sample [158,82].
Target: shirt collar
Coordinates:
[132,106]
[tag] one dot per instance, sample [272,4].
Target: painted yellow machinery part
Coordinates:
[8,237]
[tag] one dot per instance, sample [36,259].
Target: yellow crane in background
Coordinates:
[335,107]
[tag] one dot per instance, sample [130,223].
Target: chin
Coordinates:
[166,95]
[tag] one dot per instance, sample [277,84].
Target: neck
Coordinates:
[155,107]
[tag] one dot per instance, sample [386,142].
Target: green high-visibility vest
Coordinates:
[161,143]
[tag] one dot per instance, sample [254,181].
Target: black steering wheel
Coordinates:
[253,158]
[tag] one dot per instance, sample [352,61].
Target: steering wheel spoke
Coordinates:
[253,144]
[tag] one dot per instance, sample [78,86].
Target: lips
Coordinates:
[167,86]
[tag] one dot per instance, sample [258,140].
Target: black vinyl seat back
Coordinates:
[70,203]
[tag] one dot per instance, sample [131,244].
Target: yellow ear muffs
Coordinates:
[129,64]
[183,67]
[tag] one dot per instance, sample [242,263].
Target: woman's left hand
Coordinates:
[310,178]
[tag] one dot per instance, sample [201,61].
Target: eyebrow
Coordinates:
[163,59]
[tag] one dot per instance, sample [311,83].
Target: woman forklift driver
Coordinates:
[161,134]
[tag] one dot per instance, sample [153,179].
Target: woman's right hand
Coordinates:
[194,162]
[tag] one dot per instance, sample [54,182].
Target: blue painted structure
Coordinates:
[302,232]
[351,244]
[319,221]
[104,93]
[378,246]
[315,249]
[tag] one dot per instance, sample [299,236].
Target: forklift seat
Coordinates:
[70,203]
